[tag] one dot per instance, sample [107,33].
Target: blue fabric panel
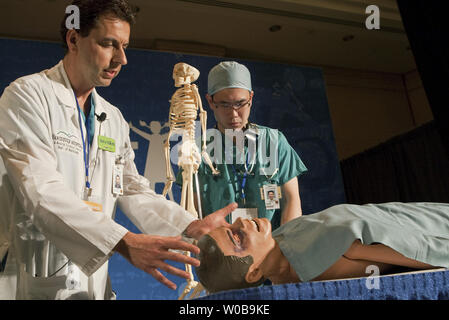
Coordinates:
[432,285]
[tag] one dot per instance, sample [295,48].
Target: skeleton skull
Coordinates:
[184,74]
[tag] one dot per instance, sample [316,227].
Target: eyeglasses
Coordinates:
[234,105]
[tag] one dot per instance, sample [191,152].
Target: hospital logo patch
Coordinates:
[67,142]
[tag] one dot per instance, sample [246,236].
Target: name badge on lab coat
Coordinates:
[105,143]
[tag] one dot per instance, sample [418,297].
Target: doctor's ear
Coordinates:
[72,39]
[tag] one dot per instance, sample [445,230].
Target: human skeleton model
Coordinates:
[184,106]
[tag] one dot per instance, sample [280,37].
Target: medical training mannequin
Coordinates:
[339,242]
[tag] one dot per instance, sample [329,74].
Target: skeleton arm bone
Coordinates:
[203,119]
[168,168]
[203,116]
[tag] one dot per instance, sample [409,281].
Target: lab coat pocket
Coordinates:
[48,288]
[40,288]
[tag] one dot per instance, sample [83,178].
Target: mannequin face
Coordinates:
[245,237]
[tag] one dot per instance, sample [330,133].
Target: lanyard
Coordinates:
[85,153]
[245,174]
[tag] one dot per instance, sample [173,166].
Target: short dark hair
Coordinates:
[218,272]
[91,10]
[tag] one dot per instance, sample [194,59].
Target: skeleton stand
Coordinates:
[184,106]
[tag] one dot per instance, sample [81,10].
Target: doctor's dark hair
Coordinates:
[91,10]
[218,272]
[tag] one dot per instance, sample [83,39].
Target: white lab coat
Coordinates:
[44,222]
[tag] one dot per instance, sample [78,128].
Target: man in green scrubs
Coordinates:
[252,160]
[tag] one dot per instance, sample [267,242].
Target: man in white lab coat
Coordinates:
[62,147]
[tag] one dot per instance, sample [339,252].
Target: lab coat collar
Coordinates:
[64,91]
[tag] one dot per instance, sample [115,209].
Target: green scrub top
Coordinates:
[219,191]
[313,243]
[90,120]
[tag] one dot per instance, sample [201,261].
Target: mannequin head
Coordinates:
[219,272]
[232,257]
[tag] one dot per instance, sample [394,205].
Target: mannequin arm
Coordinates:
[382,253]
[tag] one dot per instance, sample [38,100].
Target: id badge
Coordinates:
[117,179]
[271,196]
[244,213]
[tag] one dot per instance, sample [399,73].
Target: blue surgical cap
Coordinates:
[228,74]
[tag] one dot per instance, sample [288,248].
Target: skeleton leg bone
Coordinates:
[168,168]
[197,291]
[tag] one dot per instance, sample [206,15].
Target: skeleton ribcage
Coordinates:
[183,111]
